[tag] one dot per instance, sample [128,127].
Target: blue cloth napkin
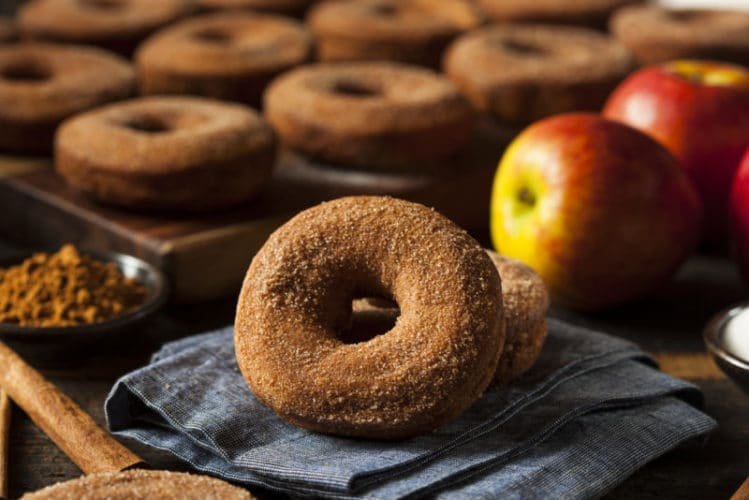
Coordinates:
[591,412]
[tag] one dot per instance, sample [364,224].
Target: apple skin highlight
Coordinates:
[700,111]
[600,210]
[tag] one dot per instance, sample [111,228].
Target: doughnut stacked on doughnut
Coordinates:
[229,56]
[41,84]
[117,25]
[588,13]
[376,115]
[8,31]
[409,31]
[167,153]
[296,299]
[656,34]
[521,73]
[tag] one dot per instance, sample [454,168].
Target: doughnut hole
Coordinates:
[355,89]
[521,48]
[385,10]
[104,4]
[159,124]
[26,72]
[370,317]
[213,35]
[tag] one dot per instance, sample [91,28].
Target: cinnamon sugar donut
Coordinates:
[167,153]
[525,301]
[523,73]
[41,84]
[296,299]
[410,31]
[587,13]
[287,7]
[154,485]
[117,25]
[369,115]
[228,56]
[657,35]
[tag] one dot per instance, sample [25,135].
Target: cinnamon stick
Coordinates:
[4,442]
[74,431]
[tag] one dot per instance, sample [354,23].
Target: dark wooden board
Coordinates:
[206,255]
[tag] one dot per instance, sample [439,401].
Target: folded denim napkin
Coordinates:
[591,412]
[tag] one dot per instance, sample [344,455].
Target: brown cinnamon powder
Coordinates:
[65,289]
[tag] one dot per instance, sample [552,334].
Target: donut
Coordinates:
[117,25]
[525,301]
[586,13]
[296,298]
[522,73]
[8,32]
[409,31]
[41,84]
[655,34]
[369,115]
[166,153]
[286,7]
[229,56]
[151,484]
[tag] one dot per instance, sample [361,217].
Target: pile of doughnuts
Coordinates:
[334,97]
[465,319]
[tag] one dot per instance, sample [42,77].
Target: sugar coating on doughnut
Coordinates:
[376,114]
[657,34]
[151,484]
[521,73]
[296,299]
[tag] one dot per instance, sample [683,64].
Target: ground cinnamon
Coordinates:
[65,289]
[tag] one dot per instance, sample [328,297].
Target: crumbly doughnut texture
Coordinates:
[655,34]
[523,73]
[41,84]
[375,115]
[117,25]
[525,300]
[231,56]
[409,31]
[154,485]
[167,153]
[588,13]
[296,300]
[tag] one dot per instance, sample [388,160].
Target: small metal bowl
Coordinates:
[144,273]
[727,340]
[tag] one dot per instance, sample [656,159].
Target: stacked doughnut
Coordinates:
[461,324]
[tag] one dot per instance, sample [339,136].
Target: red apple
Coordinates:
[600,210]
[700,111]
[740,214]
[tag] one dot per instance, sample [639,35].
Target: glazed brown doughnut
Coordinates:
[369,115]
[229,56]
[296,299]
[587,13]
[409,31]
[522,73]
[41,84]
[525,301]
[657,35]
[286,7]
[117,25]
[154,485]
[167,153]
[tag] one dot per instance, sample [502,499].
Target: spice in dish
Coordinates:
[65,289]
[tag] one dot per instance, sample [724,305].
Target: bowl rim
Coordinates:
[156,299]
[711,336]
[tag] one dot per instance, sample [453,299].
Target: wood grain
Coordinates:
[4,442]
[72,429]
[694,366]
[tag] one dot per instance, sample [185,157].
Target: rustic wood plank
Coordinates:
[695,366]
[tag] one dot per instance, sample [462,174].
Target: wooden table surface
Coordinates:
[669,325]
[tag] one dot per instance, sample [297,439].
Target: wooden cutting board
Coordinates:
[206,255]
